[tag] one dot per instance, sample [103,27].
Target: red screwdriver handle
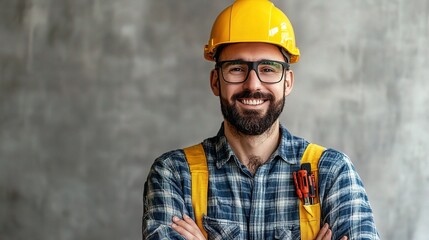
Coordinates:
[297,186]
[303,182]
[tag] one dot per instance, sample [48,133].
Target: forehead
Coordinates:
[251,52]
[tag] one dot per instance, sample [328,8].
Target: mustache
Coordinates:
[256,95]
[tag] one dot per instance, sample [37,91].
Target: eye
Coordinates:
[235,68]
[269,67]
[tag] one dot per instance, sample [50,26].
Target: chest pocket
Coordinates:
[221,228]
[283,233]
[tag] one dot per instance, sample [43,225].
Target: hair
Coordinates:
[286,54]
[217,51]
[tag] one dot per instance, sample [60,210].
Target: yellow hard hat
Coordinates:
[252,21]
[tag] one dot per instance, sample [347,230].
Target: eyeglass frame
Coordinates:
[253,66]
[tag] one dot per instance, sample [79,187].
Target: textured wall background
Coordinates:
[92,91]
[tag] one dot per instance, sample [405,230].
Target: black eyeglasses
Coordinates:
[237,71]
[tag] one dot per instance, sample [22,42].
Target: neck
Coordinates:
[253,151]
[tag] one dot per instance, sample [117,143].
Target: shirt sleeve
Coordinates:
[163,197]
[345,204]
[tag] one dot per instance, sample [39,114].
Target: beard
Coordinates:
[251,122]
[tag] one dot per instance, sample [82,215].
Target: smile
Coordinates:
[252,102]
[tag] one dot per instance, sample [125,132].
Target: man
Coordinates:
[251,192]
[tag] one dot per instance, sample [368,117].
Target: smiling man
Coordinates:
[252,81]
[252,162]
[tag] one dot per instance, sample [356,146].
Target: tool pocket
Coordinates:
[309,221]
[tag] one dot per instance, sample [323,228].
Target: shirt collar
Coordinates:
[286,150]
[288,147]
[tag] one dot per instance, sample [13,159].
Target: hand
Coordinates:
[187,228]
[326,234]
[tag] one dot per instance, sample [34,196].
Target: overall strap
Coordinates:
[197,161]
[309,215]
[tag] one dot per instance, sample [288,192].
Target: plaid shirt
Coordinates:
[260,206]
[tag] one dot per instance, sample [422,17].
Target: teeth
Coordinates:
[252,101]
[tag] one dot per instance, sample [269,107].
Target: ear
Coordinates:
[288,82]
[214,82]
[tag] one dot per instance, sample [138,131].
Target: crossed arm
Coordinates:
[188,229]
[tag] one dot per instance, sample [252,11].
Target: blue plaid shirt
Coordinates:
[260,206]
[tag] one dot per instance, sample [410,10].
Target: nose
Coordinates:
[252,83]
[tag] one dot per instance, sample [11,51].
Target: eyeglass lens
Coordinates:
[238,71]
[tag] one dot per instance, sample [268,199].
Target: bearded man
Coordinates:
[252,159]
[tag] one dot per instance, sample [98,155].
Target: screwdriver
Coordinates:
[311,181]
[303,184]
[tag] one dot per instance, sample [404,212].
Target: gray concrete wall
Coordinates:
[92,91]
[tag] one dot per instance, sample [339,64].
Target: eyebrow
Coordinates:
[259,60]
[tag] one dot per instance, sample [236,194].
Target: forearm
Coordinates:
[345,204]
[163,198]
[153,230]
[352,218]
[158,211]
